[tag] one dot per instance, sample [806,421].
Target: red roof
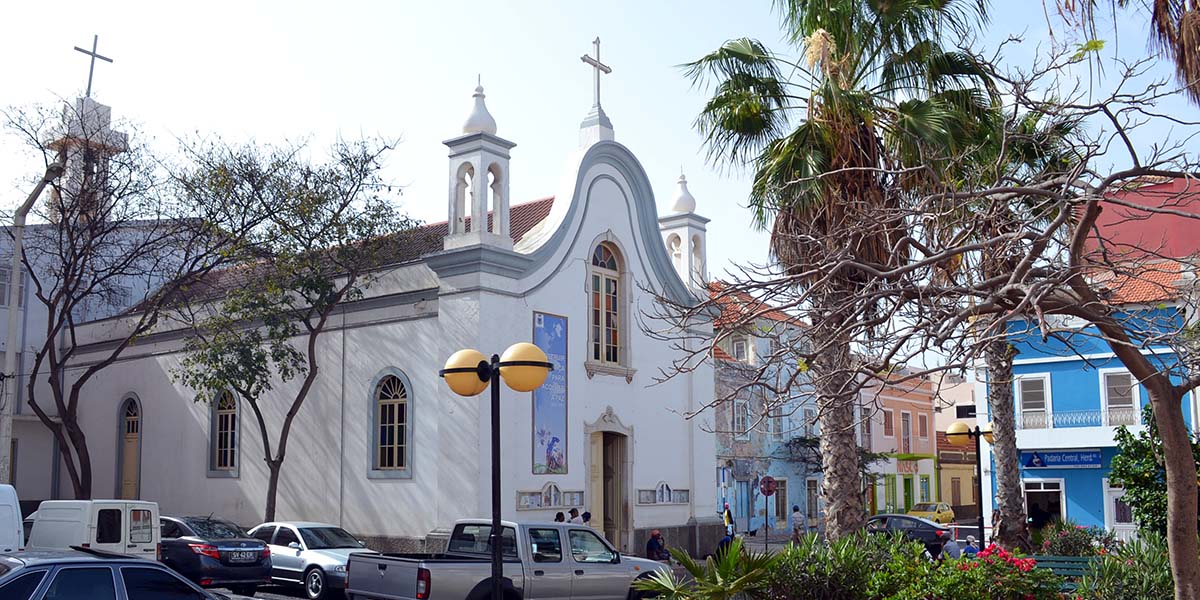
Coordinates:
[737,306]
[401,247]
[1144,283]
[720,354]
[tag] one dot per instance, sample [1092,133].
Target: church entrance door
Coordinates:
[130,450]
[609,464]
[614,493]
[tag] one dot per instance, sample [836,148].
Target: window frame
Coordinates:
[5,281]
[1135,396]
[923,426]
[82,567]
[905,440]
[557,536]
[603,275]
[1019,400]
[373,470]
[889,422]
[745,353]
[571,533]
[625,326]
[215,471]
[161,571]
[741,407]
[781,500]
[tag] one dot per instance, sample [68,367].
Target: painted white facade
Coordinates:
[480,294]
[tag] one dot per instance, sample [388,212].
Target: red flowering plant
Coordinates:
[993,574]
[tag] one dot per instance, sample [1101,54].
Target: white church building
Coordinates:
[381,446]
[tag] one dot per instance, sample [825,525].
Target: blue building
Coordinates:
[758,435]
[1071,395]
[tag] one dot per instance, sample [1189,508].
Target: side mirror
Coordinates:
[294,545]
[616,559]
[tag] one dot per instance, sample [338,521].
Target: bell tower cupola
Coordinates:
[479,182]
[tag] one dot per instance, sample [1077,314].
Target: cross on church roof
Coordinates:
[599,66]
[92,68]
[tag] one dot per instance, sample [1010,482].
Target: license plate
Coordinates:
[242,556]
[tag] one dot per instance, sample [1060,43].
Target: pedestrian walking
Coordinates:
[725,542]
[575,518]
[560,517]
[797,522]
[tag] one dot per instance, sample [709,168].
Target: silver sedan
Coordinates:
[312,555]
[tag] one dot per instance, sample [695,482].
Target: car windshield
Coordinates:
[924,507]
[213,529]
[318,538]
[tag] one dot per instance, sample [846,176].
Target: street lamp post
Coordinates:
[523,367]
[961,434]
[9,377]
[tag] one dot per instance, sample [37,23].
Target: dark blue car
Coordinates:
[215,553]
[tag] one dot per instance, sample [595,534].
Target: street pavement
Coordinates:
[272,592]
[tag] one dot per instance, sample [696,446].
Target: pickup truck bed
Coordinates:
[542,561]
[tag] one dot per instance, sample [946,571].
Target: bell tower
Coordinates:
[479,183]
[684,232]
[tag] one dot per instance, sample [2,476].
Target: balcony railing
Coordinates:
[1111,417]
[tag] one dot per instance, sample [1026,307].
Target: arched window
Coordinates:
[129,464]
[606,314]
[391,419]
[663,494]
[225,434]
[551,496]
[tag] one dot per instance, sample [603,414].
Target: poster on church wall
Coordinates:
[550,400]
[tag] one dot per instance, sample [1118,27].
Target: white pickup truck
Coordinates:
[542,561]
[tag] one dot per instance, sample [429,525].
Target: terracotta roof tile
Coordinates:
[399,248]
[720,354]
[1145,283]
[737,305]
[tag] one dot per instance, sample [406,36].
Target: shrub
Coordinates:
[1065,538]
[1138,570]
[850,568]
[994,574]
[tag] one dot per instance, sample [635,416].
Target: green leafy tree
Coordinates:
[1139,467]
[332,229]
[876,92]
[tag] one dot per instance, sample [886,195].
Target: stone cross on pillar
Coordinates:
[595,126]
[599,67]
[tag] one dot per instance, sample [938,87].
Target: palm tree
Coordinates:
[1015,148]
[731,574]
[836,145]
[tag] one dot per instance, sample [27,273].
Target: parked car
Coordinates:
[89,574]
[215,553]
[938,512]
[310,554]
[541,561]
[128,527]
[12,536]
[933,535]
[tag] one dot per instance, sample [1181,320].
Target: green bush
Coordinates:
[1065,538]
[994,574]
[1138,570]
[850,568]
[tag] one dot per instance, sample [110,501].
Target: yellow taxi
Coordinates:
[938,512]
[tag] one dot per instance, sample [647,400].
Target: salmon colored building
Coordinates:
[901,425]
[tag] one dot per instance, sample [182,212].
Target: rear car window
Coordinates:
[214,529]
[22,587]
[141,527]
[108,526]
[264,533]
[474,539]
[93,583]
[156,584]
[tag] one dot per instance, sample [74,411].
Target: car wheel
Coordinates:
[314,584]
[244,590]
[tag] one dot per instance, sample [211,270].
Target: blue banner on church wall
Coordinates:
[550,400]
[1061,459]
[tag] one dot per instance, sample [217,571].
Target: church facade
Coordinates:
[382,447]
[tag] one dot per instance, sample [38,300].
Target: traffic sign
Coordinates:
[767,485]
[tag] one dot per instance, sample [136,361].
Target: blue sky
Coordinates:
[270,71]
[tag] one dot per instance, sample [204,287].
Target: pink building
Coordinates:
[902,426]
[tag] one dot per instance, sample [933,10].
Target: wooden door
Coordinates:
[130,451]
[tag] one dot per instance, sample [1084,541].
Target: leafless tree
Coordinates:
[117,233]
[994,255]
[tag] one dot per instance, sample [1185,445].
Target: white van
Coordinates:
[11,539]
[128,527]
